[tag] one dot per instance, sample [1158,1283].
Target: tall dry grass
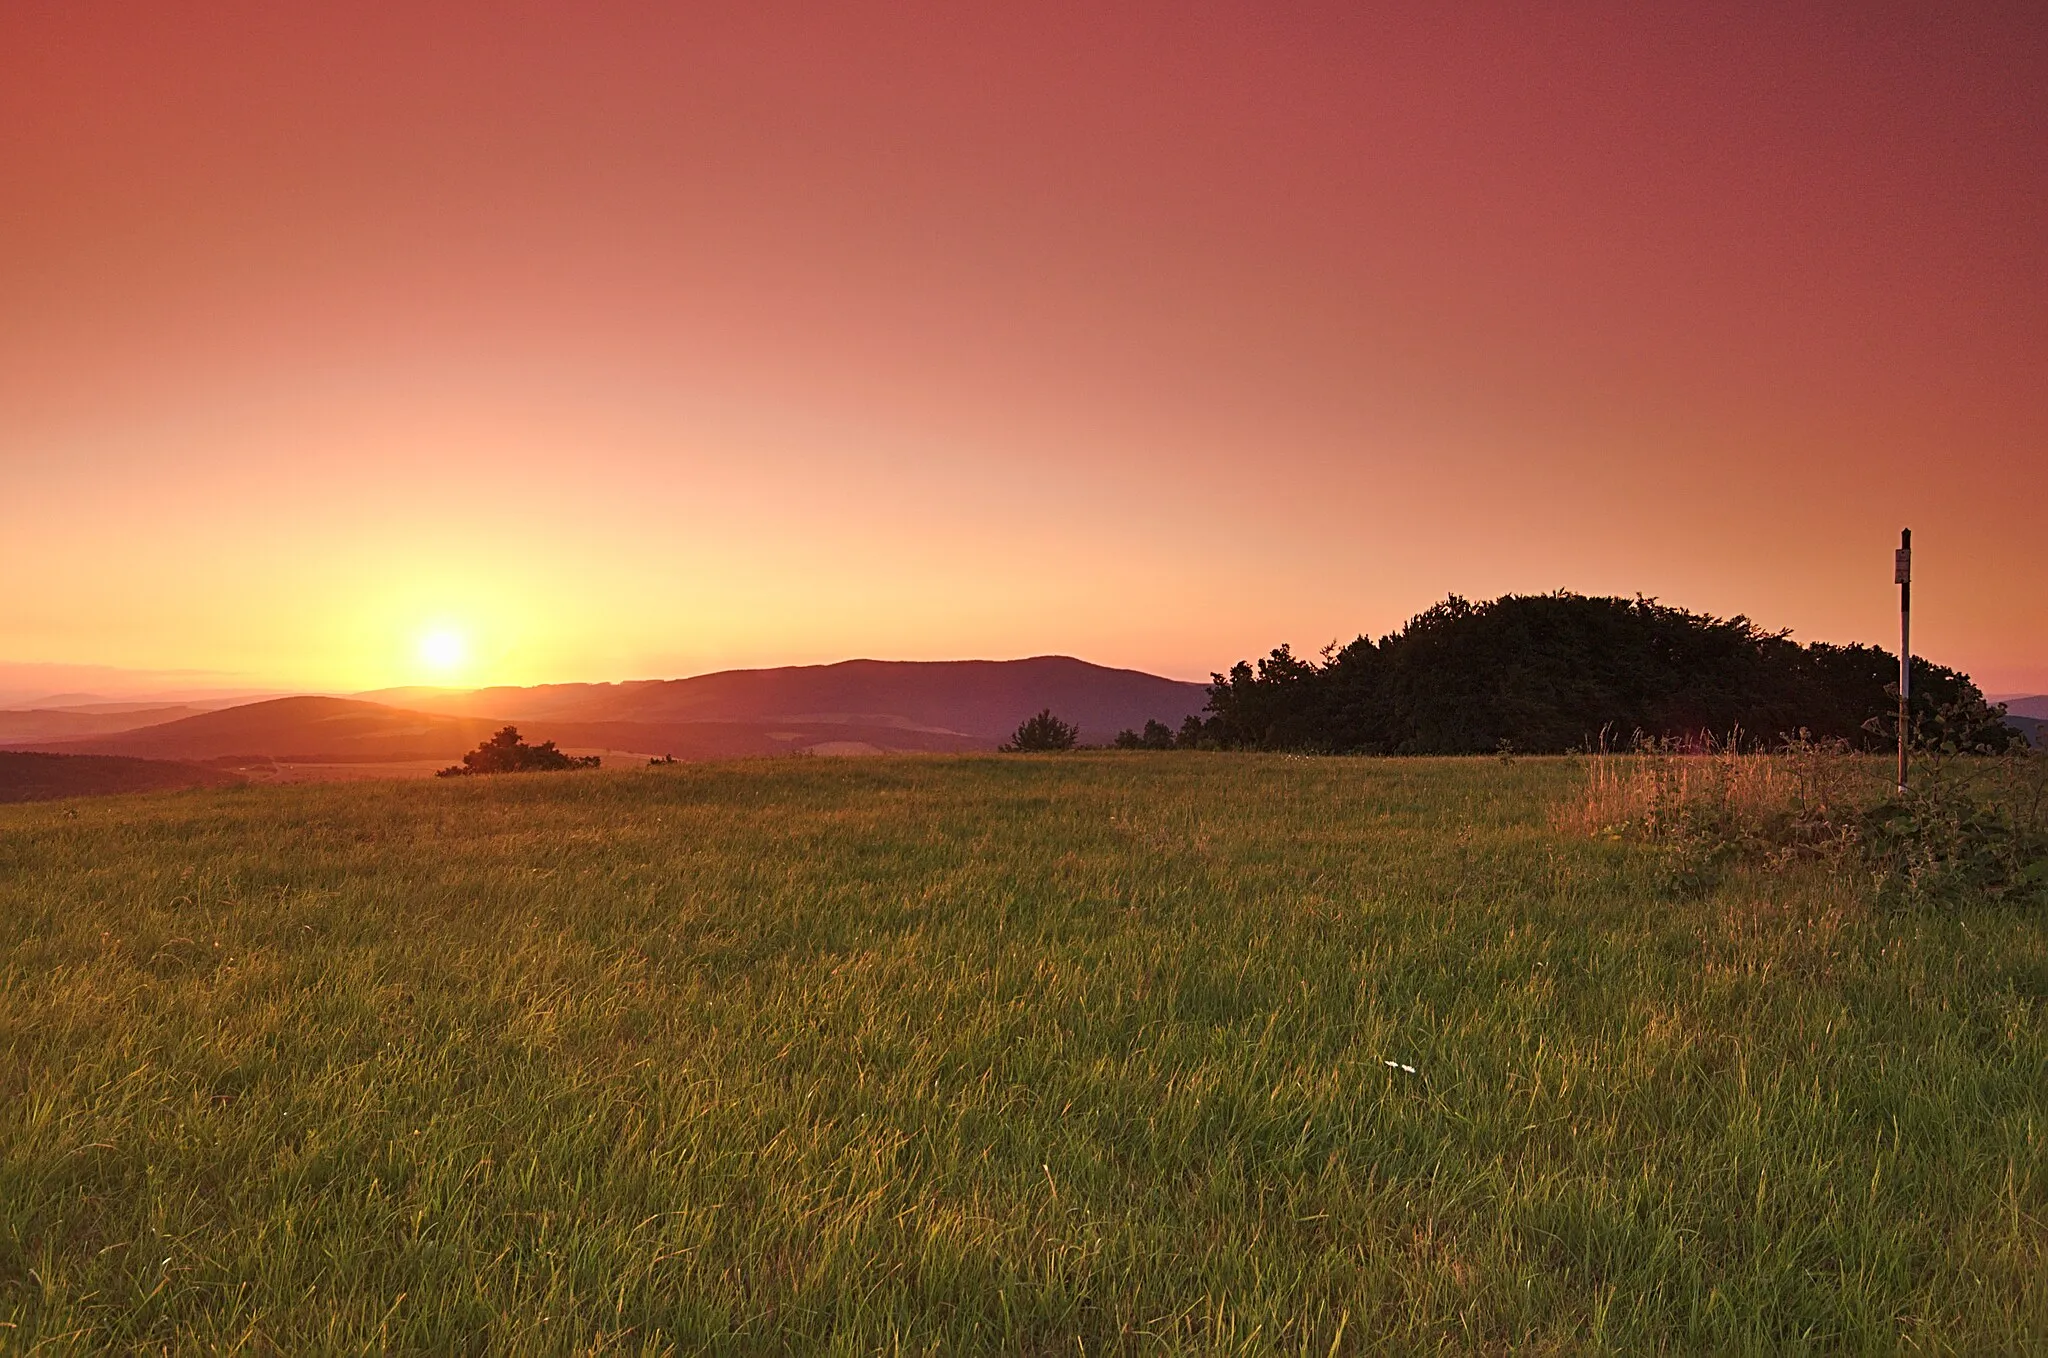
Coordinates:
[1661,794]
[1968,828]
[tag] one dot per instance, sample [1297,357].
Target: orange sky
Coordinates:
[686,337]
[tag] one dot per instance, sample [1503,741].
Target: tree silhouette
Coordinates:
[1042,732]
[1555,672]
[505,752]
[1157,735]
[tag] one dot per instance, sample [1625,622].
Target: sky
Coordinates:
[367,344]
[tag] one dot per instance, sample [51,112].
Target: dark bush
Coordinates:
[1948,849]
[505,752]
[1042,732]
[1157,735]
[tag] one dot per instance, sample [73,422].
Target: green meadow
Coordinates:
[1066,1055]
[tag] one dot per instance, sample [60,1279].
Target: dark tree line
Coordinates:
[1157,735]
[1556,672]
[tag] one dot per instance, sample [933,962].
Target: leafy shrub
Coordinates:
[1968,826]
[505,752]
[1944,849]
[1040,733]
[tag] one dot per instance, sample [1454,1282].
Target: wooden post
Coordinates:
[1902,574]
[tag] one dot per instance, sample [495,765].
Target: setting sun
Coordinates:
[443,650]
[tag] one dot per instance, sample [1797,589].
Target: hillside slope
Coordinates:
[294,729]
[59,724]
[982,699]
[315,730]
[748,739]
[857,705]
[26,777]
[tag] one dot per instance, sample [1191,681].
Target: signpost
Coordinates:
[1902,575]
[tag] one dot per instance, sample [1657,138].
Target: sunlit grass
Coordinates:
[1070,1054]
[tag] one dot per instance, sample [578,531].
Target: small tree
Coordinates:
[1157,735]
[505,752]
[1042,732]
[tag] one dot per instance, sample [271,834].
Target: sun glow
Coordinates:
[443,650]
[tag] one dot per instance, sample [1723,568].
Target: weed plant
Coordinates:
[1971,828]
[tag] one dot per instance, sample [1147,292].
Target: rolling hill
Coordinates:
[349,731]
[75,724]
[859,706]
[307,729]
[979,699]
[28,777]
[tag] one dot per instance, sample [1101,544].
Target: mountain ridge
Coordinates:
[307,727]
[56,723]
[982,699]
[865,705]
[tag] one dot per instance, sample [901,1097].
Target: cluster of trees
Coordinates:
[1157,735]
[1045,732]
[505,752]
[1557,672]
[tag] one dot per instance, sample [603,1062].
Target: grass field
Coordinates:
[1065,1055]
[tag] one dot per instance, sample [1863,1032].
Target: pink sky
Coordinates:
[670,338]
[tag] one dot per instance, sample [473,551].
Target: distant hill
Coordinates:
[747,739]
[46,777]
[47,724]
[305,729]
[2028,714]
[859,705]
[350,731]
[2035,729]
[982,700]
[125,706]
